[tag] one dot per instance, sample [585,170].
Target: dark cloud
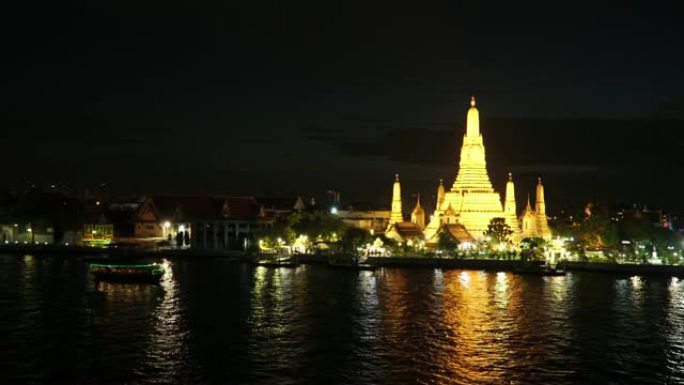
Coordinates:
[142,93]
[573,145]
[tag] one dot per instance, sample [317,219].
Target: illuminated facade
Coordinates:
[396,215]
[397,228]
[472,202]
[534,222]
[418,215]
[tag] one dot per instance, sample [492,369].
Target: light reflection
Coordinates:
[675,318]
[501,289]
[474,327]
[275,295]
[29,259]
[636,291]
[369,306]
[439,280]
[465,278]
[393,307]
[557,287]
[167,345]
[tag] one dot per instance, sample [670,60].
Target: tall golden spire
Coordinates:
[418,214]
[440,194]
[540,204]
[540,213]
[472,171]
[473,120]
[396,215]
[509,206]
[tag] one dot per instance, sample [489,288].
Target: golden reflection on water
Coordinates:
[271,294]
[675,318]
[477,341]
[166,348]
[276,295]
[393,311]
[501,290]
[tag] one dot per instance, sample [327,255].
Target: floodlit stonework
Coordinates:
[472,202]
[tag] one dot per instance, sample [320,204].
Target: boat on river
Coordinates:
[144,273]
[274,260]
[540,269]
[349,263]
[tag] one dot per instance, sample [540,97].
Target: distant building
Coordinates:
[373,221]
[208,222]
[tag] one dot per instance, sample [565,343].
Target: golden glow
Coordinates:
[472,200]
[473,120]
[467,308]
[396,215]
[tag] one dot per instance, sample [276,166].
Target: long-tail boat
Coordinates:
[151,273]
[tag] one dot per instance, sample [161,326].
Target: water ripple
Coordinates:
[213,321]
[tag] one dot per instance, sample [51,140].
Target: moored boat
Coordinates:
[268,260]
[150,273]
[543,269]
[349,263]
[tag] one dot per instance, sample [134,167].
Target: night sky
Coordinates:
[290,98]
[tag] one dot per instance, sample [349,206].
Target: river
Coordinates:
[217,321]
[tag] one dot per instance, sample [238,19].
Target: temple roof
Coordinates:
[459,233]
[408,230]
[418,209]
[191,208]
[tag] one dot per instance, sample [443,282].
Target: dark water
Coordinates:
[213,321]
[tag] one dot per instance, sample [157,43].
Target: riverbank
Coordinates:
[625,268]
[511,265]
[118,252]
[394,261]
[448,263]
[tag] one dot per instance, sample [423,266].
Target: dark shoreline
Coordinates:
[406,262]
[510,265]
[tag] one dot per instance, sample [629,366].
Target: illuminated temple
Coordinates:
[467,208]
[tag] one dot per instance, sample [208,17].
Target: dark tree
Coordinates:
[499,230]
[446,242]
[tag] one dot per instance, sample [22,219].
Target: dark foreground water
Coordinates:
[213,321]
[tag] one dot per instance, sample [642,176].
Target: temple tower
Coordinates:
[510,206]
[472,201]
[540,213]
[396,215]
[529,221]
[440,193]
[418,215]
[472,171]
